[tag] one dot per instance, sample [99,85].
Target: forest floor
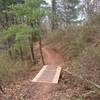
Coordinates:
[68,88]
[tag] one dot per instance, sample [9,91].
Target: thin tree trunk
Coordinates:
[7,20]
[21,51]
[54,23]
[33,55]
[41,52]
[32,50]
[9,51]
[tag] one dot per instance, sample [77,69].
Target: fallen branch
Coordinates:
[93,83]
[87,94]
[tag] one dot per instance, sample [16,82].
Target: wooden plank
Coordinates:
[39,74]
[48,74]
[56,77]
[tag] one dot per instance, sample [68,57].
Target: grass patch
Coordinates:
[13,69]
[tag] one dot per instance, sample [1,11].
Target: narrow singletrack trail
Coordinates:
[54,58]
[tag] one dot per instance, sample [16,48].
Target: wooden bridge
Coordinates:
[48,74]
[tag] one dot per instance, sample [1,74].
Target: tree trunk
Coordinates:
[6,18]
[54,23]
[21,51]
[33,55]
[9,51]
[40,42]
[32,50]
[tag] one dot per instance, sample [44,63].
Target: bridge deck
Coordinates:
[48,74]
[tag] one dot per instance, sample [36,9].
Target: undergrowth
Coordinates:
[80,45]
[11,70]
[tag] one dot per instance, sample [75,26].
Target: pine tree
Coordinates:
[54,23]
[67,10]
[29,16]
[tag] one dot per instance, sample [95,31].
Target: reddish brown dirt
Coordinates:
[52,56]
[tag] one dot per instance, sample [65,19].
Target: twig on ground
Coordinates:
[87,94]
[93,83]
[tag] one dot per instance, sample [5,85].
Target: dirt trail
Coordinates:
[52,57]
